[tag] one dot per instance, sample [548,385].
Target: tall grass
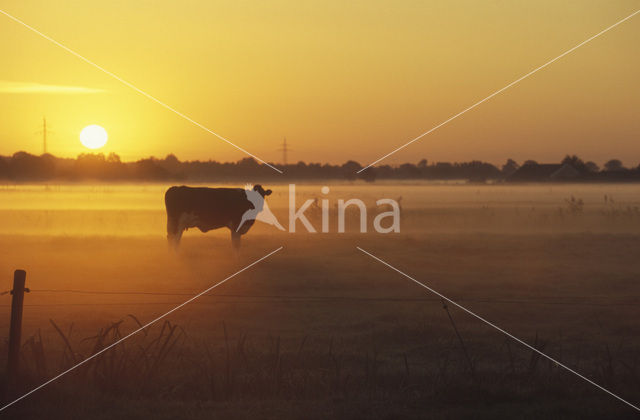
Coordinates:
[164,362]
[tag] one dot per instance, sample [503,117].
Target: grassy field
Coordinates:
[320,329]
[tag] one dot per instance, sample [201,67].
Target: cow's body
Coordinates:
[207,209]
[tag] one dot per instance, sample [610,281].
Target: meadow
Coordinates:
[320,329]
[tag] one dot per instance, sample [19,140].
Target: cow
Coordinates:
[214,208]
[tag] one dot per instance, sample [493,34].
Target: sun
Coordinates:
[93,136]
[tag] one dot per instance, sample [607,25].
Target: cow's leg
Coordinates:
[174,232]
[235,240]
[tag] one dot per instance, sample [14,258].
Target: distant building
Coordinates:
[544,172]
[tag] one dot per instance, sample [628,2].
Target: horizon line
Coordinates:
[259,163]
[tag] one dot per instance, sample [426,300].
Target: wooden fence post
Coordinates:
[19,277]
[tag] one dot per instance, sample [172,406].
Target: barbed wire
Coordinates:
[258,298]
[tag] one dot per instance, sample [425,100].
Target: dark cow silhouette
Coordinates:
[209,208]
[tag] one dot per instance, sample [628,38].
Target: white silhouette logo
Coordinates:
[260,210]
[387,211]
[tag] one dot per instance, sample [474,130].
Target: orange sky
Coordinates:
[341,80]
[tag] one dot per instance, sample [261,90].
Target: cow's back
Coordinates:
[210,207]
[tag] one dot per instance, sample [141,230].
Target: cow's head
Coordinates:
[261,190]
[260,209]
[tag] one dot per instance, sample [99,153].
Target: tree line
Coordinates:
[23,166]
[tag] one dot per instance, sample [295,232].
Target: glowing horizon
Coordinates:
[341,82]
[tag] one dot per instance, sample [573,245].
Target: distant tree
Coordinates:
[530,162]
[91,165]
[575,162]
[113,158]
[350,169]
[171,159]
[477,171]
[384,171]
[248,162]
[442,170]
[4,168]
[443,165]
[510,167]
[173,166]
[614,165]
[149,169]
[369,174]
[592,167]
[91,157]
[408,170]
[25,166]
[114,168]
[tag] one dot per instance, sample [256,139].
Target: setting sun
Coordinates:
[93,136]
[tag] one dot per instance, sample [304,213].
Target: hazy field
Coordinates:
[320,329]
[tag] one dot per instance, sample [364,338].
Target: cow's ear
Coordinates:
[268,192]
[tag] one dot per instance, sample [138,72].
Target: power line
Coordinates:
[44,132]
[140,91]
[285,150]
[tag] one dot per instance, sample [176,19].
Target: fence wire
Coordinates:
[258,298]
